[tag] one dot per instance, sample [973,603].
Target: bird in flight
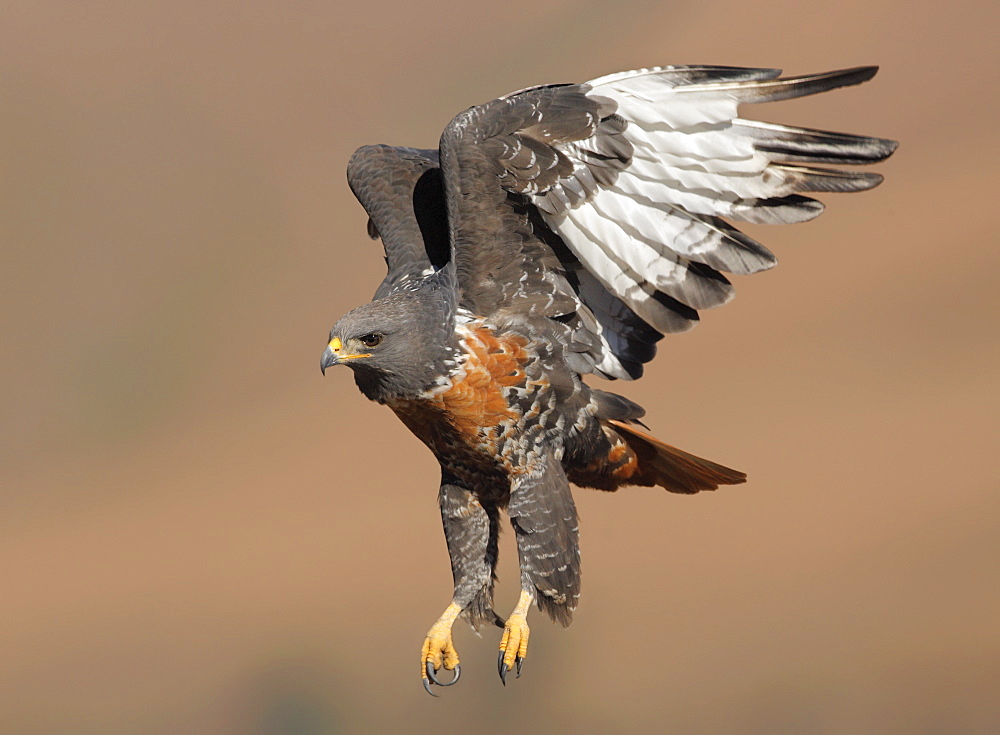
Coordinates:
[555,233]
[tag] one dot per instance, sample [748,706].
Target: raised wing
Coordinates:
[400,188]
[658,228]
[508,261]
[610,197]
[486,154]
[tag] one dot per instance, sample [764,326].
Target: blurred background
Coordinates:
[200,534]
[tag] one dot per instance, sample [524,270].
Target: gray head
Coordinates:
[396,345]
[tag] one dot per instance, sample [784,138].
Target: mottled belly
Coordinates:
[473,460]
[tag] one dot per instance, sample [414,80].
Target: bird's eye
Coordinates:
[371,340]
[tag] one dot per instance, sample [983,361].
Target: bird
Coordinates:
[558,233]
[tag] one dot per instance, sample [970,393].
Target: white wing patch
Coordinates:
[693,163]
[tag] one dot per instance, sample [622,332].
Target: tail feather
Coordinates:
[671,468]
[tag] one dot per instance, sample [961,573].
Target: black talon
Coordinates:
[503,673]
[458,673]
[429,668]
[519,660]
[427,688]
[500,664]
[431,677]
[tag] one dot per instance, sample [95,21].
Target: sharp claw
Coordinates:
[519,660]
[458,673]
[500,664]
[503,673]
[429,668]
[431,677]
[427,688]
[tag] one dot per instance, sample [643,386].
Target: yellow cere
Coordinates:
[336,346]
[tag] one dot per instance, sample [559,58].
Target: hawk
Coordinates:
[559,232]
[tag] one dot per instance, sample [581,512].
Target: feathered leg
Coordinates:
[544,518]
[471,531]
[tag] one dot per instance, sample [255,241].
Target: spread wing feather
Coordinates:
[606,206]
[400,188]
[637,174]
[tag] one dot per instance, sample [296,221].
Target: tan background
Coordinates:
[199,534]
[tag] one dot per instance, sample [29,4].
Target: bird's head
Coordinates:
[394,345]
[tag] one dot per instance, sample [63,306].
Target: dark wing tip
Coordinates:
[887,147]
[861,73]
[802,86]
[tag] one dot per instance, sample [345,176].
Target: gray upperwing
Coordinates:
[615,197]
[492,157]
[400,188]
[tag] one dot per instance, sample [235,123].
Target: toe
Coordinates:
[438,652]
[513,646]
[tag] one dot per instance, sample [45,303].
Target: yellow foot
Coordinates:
[514,644]
[439,651]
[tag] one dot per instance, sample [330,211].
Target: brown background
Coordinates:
[198,534]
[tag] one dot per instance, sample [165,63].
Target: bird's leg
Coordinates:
[543,515]
[471,530]
[514,643]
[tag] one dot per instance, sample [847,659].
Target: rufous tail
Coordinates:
[636,458]
[671,468]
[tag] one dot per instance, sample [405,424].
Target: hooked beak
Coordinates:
[334,355]
[329,358]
